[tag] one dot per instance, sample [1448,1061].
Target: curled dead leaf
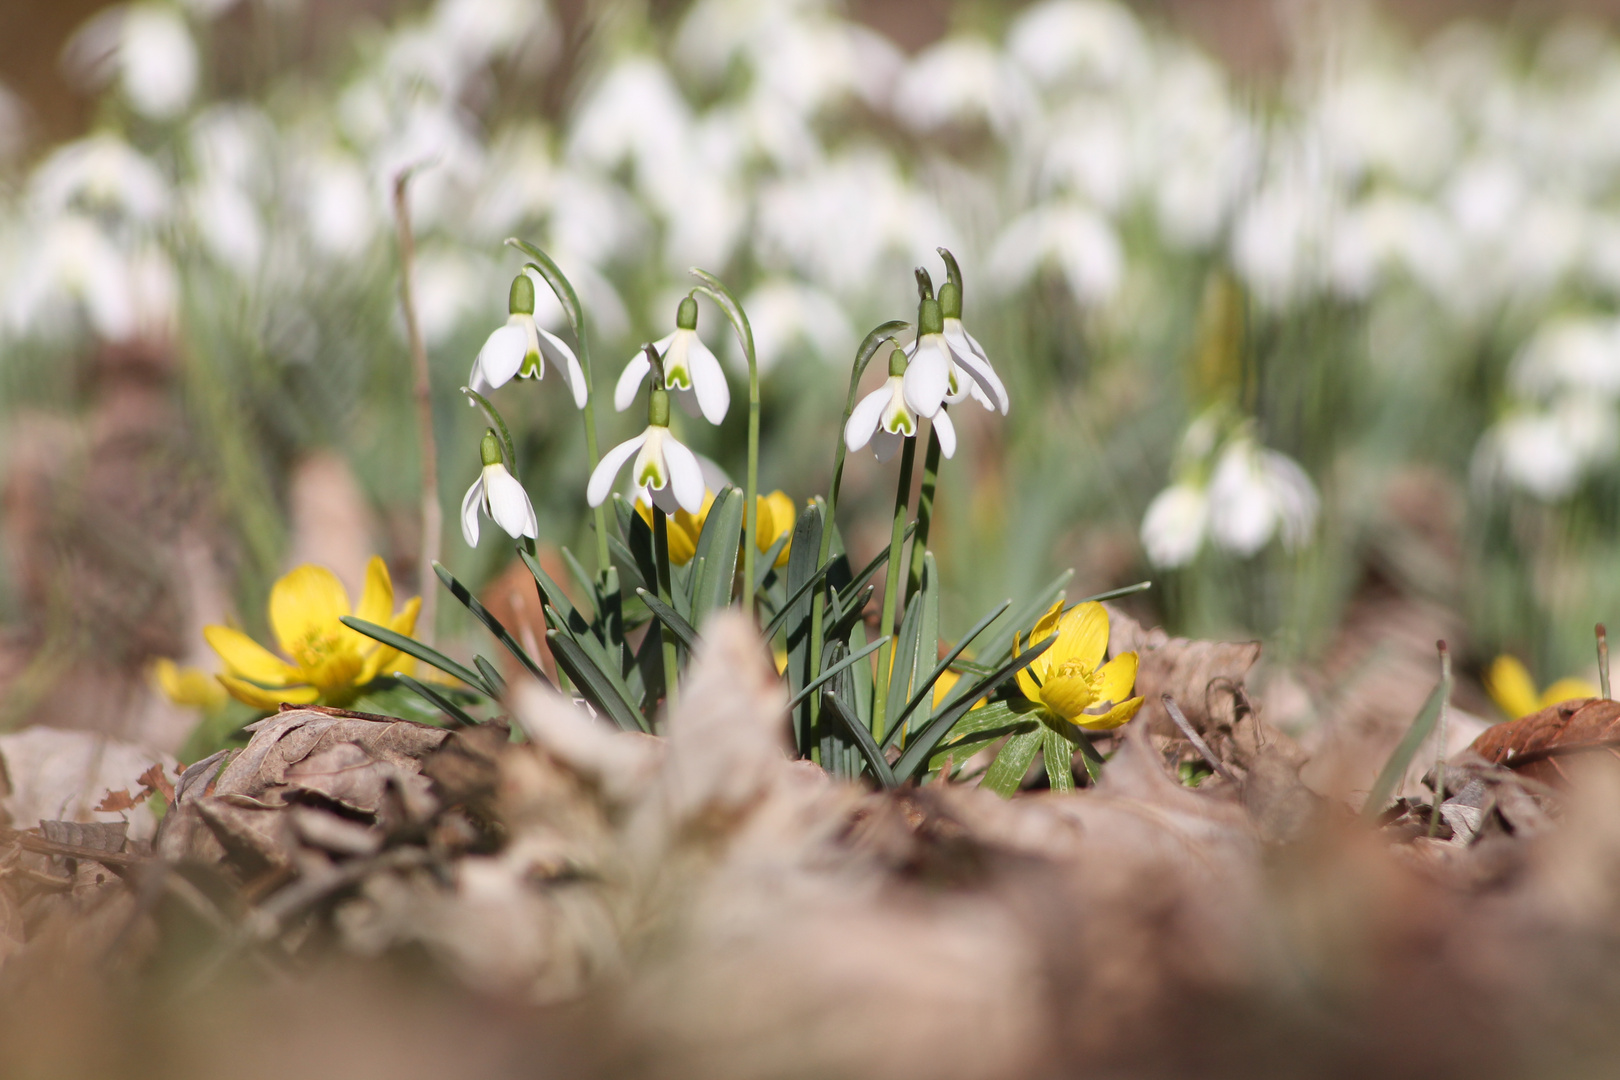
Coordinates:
[1532,745]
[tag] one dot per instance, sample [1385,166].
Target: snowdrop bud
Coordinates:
[489,450]
[521,299]
[897,363]
[686,314]
[658,407]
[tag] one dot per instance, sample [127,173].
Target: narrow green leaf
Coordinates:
[585,581]
[767,564]
[904,658]
[439,701]
[918,749]
[1006,773]
[1115,594]
[672,619]
[925,690]
[718,545]
[491,676]
[926,655]
[851,615]
[799,591]
[552,594]
[593,683]
[626,564]
[1394,770]
[835,670]
[483,615]
[1059,757]
[979,728]
[412,647]
[862,738]
[801,572]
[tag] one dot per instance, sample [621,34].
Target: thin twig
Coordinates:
[432,515]
[1440,739]
[1603,660]
[1197,740]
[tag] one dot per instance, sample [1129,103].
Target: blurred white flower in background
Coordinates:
[1175,523]
[963,80]
[100,173]
[1547,452]
[147,48]
[1086,43]
[1071,237]
[1255,494]
[786,314]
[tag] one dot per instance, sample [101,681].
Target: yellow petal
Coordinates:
[377,602]
[1567,690]
[260,698]
[1068,695]
[682,529]
[946,683]
[187,686]
[386,659]
[1115,678]
[1111,719]
[1045,627]
[307,603]
[246,657]
[1511,687]
[1082,637]
[776,518]
[1026,675]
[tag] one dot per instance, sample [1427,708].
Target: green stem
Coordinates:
[751,507]
[891,586]
[661,554]
[925,510]
[863,356]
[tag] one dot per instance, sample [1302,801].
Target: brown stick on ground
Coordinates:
[432,515]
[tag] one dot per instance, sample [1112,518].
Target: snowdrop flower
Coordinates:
[664,466]
[690,370]
[884,417]
[498,494]
[970,366]
[928,380]
[1255,493]
[150,51]
[521,346]
[1173,527]
[1547,452]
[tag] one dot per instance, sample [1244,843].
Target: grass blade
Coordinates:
[672,619]
[439,701]
[483,615]
[863,740]
[835,670]
[411,647]
[1394,771]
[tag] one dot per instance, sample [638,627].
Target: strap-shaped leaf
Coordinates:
[1059,760]
[1400,759]
[1006,773]
[834,671]
[491,676]
[411,647]
[979,728]
[566,296]
[767,565]
[863,740]
[904,658]
[718,546]
[593,683]
[926,655]
[918,749]
[795,617]
[587,584]
[850,615]
[483,615]
[797,593]
[553,595]
[639,539]
[925,689]
[1115,594]
[439,701]
[671,618]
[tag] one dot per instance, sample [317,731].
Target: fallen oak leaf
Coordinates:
[1532,745]
[116,802]
[1202,676]
[153,780]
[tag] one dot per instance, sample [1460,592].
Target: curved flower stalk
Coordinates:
[499,496]
[691,371]
[1509,683]
[521,347]
[663,465]
[886,418]
[1069,681]
[330,663]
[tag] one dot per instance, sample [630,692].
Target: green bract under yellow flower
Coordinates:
[1070,680]
[330,663]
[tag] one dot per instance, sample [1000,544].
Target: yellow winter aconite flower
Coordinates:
[776,516]
[1514,691]
[1067,680]
[187,686]
[330,662]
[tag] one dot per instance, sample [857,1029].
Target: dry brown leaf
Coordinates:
[155,780]
[1202,676]
[115,802]
[1532,745]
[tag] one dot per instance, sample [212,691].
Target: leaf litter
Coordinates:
[352,894]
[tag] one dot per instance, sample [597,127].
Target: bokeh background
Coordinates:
[1307,309]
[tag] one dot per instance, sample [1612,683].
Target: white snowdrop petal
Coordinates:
[708,381]
[927,377]
[596,492]
[685,475]
[560,354]
[508,503]
[971,358]
[502,355]
[885,443]
[470,505]
[630,380]
[1173,527]
[946,432]
[865,419]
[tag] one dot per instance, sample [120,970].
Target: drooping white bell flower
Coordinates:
[1173,527]
[521,347]
[691,371]
[971,372]
[1255,493]
[884,417]
[664,466]
[927,382]
[498,494]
